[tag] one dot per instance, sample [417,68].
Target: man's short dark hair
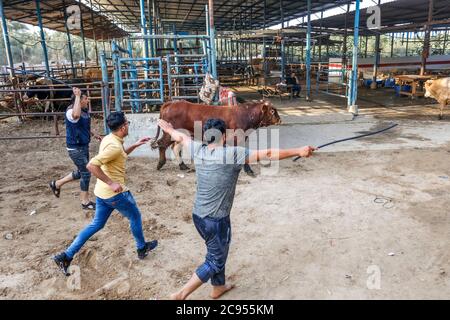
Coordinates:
[213,124]
[115,120]
[72,97]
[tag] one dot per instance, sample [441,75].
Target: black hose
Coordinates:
[355,137]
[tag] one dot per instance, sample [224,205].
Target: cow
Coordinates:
[182,115]
[41,91]
[439,89]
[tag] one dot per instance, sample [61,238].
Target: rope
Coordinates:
[355,137]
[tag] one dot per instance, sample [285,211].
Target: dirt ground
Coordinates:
[341,225]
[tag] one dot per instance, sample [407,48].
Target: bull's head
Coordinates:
[428,90]
[270,115]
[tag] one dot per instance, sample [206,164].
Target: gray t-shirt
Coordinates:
[217,172]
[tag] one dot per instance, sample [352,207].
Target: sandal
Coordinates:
[88,206]
[55,190]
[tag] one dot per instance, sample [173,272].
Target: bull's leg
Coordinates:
[46,109]
[441,111]
[162,158]
[248,170]
[177,148]
[163,144]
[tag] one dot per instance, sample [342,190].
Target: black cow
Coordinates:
[42,90]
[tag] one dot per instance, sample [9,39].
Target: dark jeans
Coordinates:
[126,205]
[296,89]
[217,236]
[80,157]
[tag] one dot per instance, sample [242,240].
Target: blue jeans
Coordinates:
[126,205]
[217,236]
[80,157]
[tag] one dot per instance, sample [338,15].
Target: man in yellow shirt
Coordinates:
[111,192]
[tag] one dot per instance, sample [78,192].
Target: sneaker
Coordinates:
[149,246]
[63,262]
[88,206]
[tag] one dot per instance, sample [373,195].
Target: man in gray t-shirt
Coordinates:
[217,172]
[217,169]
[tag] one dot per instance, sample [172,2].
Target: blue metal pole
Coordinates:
[208,34]
[144,27]
[44,45]
[9,56]
[212,36]
[117,82]
[308,55]
[354,79]
[283,58]
[174,39]
[136,105]
[105,90]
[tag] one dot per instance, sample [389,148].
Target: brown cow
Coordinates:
[182,115]
[439,89]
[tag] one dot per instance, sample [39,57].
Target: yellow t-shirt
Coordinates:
[111,158]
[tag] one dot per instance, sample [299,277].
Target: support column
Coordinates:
[320,37]
[283,58]
[93,32]
[376,63]
[426,42]
[69,41]
[212,35]
[308,55]
[445,42]
[9,56]
[82,36]
[352,107]
[344,45]
[144,27]
[392,45]
[41,30]
[407,43]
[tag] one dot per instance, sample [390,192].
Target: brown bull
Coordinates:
[182,115]
[439,89]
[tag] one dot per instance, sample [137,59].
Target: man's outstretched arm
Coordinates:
[279,154]
[176,136]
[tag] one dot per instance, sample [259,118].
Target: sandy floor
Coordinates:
[341,225]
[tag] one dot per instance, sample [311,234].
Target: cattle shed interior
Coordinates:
[137,54]
[338,189]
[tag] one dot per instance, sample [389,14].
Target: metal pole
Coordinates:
[212,34]
[117,82]
[308,55]
[407,42]
[9,56]
[82,35]
[283,58]
[392,45]
[373,85]
[69,42]
[144,28]
[150,23]
[93,32]
[105,91]
[426,42]
[344,47]
[320,37]
[354,80]
[41,29]
[445,42]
